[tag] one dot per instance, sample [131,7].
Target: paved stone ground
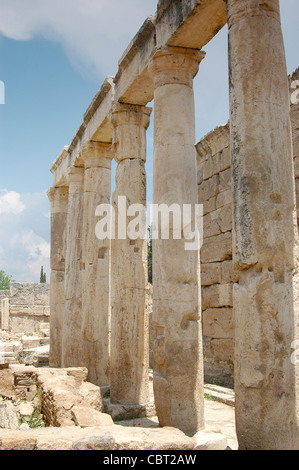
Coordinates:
[219,416]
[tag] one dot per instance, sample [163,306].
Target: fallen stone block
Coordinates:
[208,440]
[85,416]
[8,416]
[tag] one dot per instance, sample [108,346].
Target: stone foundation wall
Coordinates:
[28,306]
[217,275]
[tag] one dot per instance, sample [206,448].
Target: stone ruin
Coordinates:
[229,309]
[24,324]
[214,177]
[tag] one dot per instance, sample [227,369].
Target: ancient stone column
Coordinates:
[177,349]
[4,314]
[265,244]
[72,339]
[129,324]
[59,206]
[96,263]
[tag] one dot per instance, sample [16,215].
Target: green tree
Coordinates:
[43,276]
[5,281]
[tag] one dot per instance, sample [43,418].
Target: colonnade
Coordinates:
[98,286]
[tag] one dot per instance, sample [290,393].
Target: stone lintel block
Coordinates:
[189,24]
[29,310]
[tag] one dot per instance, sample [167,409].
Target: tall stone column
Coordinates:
[96,263]
[129,324]
[59,207]
[177,349]
[72,339]
[265,244]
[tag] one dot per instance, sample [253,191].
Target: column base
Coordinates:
[121,412]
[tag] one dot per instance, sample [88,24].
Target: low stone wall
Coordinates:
[71,412]
[28,307]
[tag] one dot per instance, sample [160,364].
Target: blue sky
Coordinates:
[54,57]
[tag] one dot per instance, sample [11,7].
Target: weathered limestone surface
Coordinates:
[59,207]
[72,411]
[217,274]
[5,314]
[129,324]
[96,264]
[177,348]
[72,344]
[294,95]
[27,307]
[265,243]
[3,295]
[213,161]
[261,260]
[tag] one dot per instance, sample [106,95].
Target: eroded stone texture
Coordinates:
[129,323]
[5,314]
[265,243]
[72,339]
[96,264]
[59,207]
[217,274]
[177,348]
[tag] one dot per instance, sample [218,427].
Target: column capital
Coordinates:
[58,192]
[130,114]
[58,197]
[75,179]
[97,154]
[129,135]
[175,65]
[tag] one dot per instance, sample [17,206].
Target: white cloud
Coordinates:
[35,250]
[25,238]
[10,202]
[93,33]
[35,245]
